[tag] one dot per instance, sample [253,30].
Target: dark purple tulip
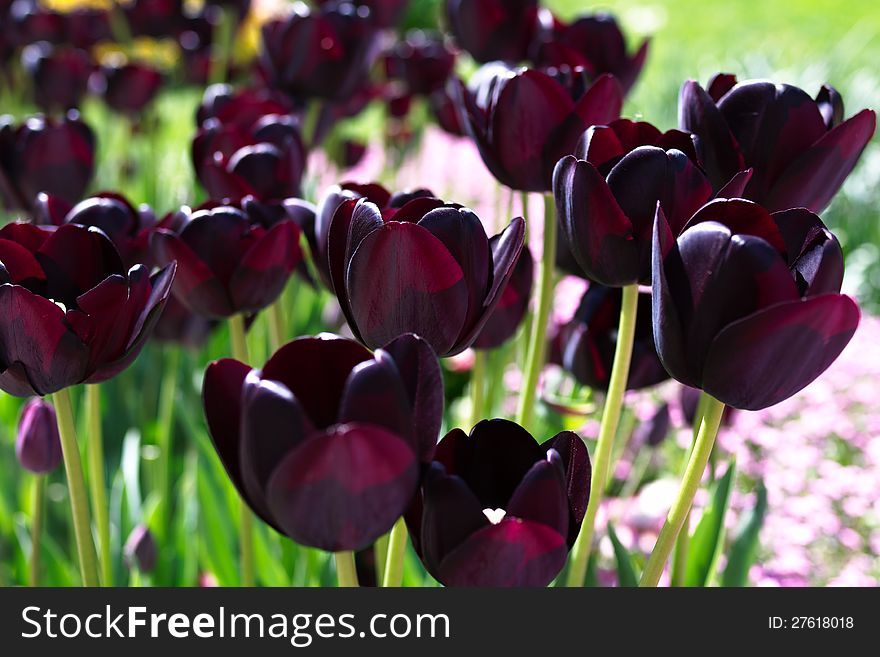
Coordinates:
[155,18]
[70,311]
[606,197]
[38,443]
[422,61]
[265,160]
[326,442]
[242,107]
[128,228]
[513,305]
[585,346]
[747,304]
[140,550]
[492,30]
[497,509]
[31,23]
[179,325]
[504,101]
[445,111]
[45,155]
[322,54]
[127,88]
[594,42]
[229,261]
[60,77]
[88,26]
[419,266]
[800,148]
[653,431]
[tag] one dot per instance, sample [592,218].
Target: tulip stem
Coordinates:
[608,429]
[396,551]
[246,519]
[538,337]
[689,485]
[478,386]
[98,482]
[38,512]
[679,558]
[380,554]
[76,485]
[276,325]
[346,571]
[167,395]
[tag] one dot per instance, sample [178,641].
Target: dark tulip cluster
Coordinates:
[126,88]
[38,443]
[327,441]
[498,509]
[73,312]
[231,258]
[248,144]
[800,148]
[410,263]
[59,76]
[607,193]
[422,61]
[747,303]
[585,346]
[45,155]
[501,102]
[320,53]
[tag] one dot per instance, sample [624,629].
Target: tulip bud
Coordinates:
[38,445]
[653,431]
[140,550]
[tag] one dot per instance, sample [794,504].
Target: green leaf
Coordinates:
[708,539]
[744,547]
[626,573]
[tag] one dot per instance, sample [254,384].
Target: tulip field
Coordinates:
[419,293]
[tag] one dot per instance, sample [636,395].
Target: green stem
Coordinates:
[610,418]
[478,386]
[276,325]
[167,395]
[37,516]
[79,505]
[246,520]
[538,337]
[396,551]
[346,570]
[380,551]
[689,485]
[97,481]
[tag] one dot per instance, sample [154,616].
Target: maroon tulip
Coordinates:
[229,260]
[503,101]
[45,155]
[38,443]
[88,26]
[323,54]
[128,228]
[594,42]
[128,88]
[747,304]
[585,346]
[422,61]
[417,266]
[607,194]
[445,112]
[497,509]
[652,431]
[326,442]
[71,313]
[60,77]
[243,107]
[140,550]
[800,148]
[493,30]
[513,305]
[31,23]
[155,18]
[265,159]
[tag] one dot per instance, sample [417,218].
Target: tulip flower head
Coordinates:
[60,76]
[747,304]
[801,148]
[140,550]
[422,61]
[71,312]
[38,444]
[327,441]
[492,30]
[126,88]
[498,509]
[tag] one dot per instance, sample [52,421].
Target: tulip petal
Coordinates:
[402,279]
[814,253]
[769,356]
[75,260]
[512,553]
[505,319]
[736,186]
[541,495]
[222,399]
[264,270]
[358,477]
[374,394]
[813,179]
[600,105]
[578,474]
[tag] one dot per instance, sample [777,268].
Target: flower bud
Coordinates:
[140,550]
[38,445]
